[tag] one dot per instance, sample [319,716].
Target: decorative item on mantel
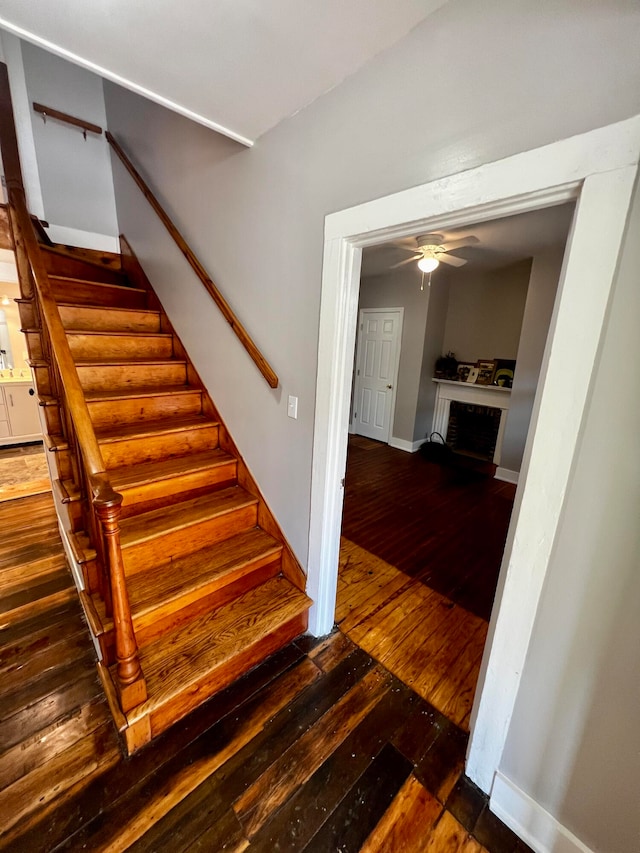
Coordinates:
[446,367]
[503,373]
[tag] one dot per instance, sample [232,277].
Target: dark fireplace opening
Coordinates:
[473,430]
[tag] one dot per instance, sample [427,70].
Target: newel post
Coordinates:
[130,682]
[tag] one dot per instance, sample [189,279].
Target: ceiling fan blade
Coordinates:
[408,261]
[444,258]
[463,241]
[411,249]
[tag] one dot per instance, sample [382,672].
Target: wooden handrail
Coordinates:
[243,336]
[106,501]
[49,112]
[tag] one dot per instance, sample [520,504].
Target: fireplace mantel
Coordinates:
[478,395]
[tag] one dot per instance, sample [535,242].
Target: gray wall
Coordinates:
[509,76]
[432,350]
[485,312]
[543,284]
[574,739]
[401,289]
[75,174]
[256,216]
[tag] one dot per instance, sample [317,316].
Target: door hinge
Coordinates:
[342,482]
[358,373]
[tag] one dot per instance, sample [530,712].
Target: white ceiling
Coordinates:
[501,241]
[239,66]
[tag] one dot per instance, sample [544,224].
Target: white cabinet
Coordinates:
[19,419]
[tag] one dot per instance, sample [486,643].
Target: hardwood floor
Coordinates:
[317,749]
[23,471]
[56,730]
[430,643]
[445,527]
[323,747]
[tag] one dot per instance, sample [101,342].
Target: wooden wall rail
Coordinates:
[49,112]
[34,284]
[243,336]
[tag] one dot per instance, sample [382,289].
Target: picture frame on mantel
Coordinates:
[472,376]
[486,369]
[463,371]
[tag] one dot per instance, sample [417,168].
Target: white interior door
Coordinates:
[378,354]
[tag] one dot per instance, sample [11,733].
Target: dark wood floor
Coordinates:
[318,749]
[55,727]
[444,526]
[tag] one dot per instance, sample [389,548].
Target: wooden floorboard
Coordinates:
[443,526]
[316,749]
[55,728]
[430,643]
[322,747]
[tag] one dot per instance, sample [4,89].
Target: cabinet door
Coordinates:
[23,410]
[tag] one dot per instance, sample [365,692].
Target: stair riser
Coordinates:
[103,346]
[154,448]
[106,413]
[82,293]
[170,713]
[118,377]
[188,540]
[151,495]
[85,318]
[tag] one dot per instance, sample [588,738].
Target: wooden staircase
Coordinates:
[213,586]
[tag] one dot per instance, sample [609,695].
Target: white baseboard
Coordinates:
[506,475]
[533,824]
[85,239]
[403,444]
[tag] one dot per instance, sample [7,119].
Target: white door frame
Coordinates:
[396,366]
[598,169]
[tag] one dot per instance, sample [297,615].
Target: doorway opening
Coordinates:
[597,168]
[423,534]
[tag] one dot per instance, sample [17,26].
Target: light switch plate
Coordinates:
[292,407]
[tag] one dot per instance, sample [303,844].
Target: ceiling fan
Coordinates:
[430,250]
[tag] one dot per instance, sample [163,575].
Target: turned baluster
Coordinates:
[130,681]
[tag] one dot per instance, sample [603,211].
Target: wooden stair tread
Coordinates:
[143,391]
[113,362]
[149,428]
[126,362]
[109,333]
[181,659]
[157,522]
[204,566]
[103,308]
[96,284]
[148,472]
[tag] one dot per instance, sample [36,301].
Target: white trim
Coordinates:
[600,167]
[396,366]
[403,444]
[530,821]
[86,239]
[27,35]
[506,475]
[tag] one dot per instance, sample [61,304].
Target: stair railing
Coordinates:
[241,333]
[103,502]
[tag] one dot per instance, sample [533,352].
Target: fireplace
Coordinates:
[486,405]
[473,430]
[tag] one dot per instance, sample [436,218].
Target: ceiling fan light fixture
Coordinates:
[428,264]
